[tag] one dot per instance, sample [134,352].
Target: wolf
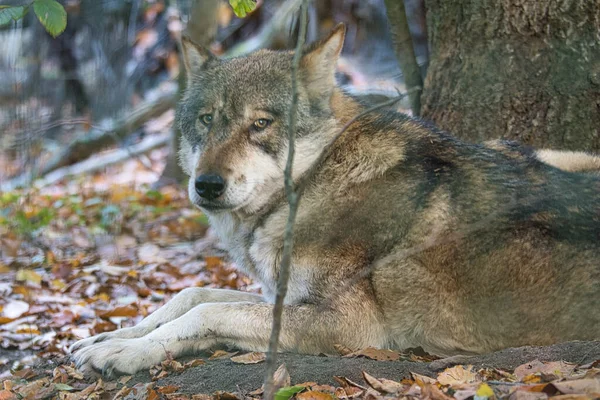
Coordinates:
[405,236]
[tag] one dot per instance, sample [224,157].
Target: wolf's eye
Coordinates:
[206,119]
[261,123]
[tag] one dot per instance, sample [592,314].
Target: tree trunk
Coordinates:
[519,69]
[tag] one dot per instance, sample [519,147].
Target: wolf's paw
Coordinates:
[116,357]
[124,333]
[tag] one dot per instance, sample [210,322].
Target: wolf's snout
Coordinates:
[209,186]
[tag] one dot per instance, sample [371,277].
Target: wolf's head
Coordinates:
[234,120]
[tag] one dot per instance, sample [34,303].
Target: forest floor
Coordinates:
[94,253]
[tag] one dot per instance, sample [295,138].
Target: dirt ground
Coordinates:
[225,375]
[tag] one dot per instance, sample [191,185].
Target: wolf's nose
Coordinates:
[209,186]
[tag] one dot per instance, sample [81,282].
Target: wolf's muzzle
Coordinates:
[209,186]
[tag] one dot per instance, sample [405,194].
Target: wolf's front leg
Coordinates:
[179,305]
[306,329]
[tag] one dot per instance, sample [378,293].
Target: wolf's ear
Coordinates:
[319,61]
[194,55]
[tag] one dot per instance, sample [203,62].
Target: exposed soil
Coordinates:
[225,375]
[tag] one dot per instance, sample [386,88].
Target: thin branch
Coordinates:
[403,45]
[293,197]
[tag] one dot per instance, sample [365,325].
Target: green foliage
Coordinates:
[10,13]
[52,15]
[63,386]
[285,393]
[242,7]
[27,224]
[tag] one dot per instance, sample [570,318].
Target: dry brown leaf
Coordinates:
[202,397]
[458,375]
[432,392]
[345,382]
[123,311]
[372,394]
[249,358]
[383,385]
[422,379]
[194,363]
[281,377]
[376,354]
[220,354]
[580,386]
[314,395]
[6,395]
[525,395]
[167,389]
[225,396]
[548,371]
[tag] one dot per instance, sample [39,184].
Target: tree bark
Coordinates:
[517,69]
[403,45]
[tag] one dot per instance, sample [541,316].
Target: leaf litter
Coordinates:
[87,256]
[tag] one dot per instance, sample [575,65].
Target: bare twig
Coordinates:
[293,197]
[405,52]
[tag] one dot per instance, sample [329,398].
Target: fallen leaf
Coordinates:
[287,392]
[281,377]
[225,396]
[167,389]
[150,253]
[220,354]
[313,395]
[375,354]
[432,392]
[123,311]
[249,358]
[580,386]
[383,385]
[345,382]
[458,375]
[422,379]
[14,309]
[28,275]
[524,395]
[548,371]
[484,391]
[6,395]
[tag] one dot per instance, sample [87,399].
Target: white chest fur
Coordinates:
[259,254]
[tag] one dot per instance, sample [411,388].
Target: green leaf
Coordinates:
[52,15]
[285,393]
[63,386]
[242,7]
[10,13]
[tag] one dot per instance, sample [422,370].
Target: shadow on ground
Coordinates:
[226,375]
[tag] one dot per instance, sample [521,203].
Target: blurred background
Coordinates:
[119,56]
